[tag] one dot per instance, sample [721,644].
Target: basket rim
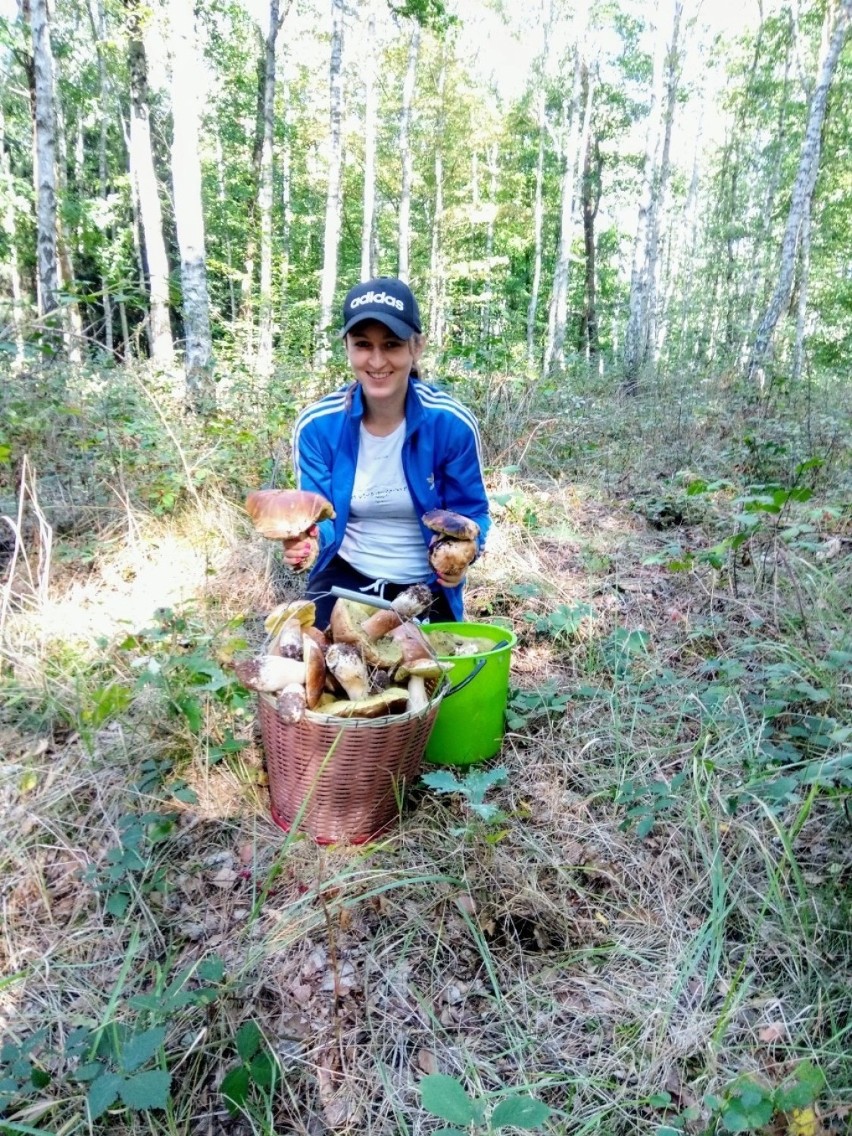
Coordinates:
[368,723]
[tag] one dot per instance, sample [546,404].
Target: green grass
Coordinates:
[662,910]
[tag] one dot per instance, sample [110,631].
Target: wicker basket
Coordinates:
[342,779]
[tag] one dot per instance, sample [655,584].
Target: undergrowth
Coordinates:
[637,920]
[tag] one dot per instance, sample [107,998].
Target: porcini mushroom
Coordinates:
[291,703]
[288,642]
[407,605]
[453,547]
[269,673]
[390,701]
[288,515]
[418,664]
[345,662]
[314,670]
[347,619]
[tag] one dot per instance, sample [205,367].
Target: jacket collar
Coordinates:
[413,405]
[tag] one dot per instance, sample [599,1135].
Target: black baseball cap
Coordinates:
[386,299]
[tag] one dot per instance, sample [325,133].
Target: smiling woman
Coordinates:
[386,450]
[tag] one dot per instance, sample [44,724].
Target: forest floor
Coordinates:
[653,935]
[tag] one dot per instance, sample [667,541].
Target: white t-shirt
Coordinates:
[383,538]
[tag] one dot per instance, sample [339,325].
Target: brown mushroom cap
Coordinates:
[314,670]
[284,514]
[446,523]
[451,557]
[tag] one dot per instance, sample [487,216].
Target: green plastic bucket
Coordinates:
[471,719]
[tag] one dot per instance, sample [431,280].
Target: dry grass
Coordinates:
[558,954]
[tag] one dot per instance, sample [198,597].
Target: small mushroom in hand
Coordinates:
[291,516]
[453,547]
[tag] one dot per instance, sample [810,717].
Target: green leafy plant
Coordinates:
[445,1098]
[20,1074]
[471,788]
[258,1067]
[748,1105]
[646,802]
[118,1071]
[527,709]
[621,647]
[562,623]
[129,868]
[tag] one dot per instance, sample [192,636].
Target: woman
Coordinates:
[385,450]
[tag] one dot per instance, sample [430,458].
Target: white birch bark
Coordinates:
[577,140]
[802,298]
[404,253]
[45,160]
[538,226]
[333,203]
[370,109]
[637,335]
[436,272]
[541,69]
[142,169]
[263,359]
[97,23]
[187,84]
[838,18]
[12,268]
[72,320]
[286,191]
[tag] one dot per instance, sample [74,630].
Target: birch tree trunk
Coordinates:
[436,274]
[541,69]
[286,193]
[574,158]
[637,341]
[589,342]
[839,15]
[12,268]
[404,254]
[538,225]
[263,360]
[97,23]
[45,160]
[334,202]
[144,174]
[72,320]
[187,83]
[802,299]
[370,100]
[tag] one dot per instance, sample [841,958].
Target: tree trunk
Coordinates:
[589,341]
[436,272]
[286,193]
[334,202]
[637,338]
[45,160]
[263,362]
[488,290]
[72,320]
[538,224]
[582,95]
[803,188]
[187,82]
[97,23]
[13,269]
[404,255]
[142,169]
[370,100]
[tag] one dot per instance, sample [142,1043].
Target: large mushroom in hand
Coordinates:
[453,547]
[288,515]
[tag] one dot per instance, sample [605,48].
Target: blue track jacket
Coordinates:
[441,458]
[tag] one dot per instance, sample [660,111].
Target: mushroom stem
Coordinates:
[418,699]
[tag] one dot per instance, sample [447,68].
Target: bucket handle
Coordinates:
[478,665]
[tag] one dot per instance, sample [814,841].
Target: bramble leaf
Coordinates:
[147,1090]
[444,1097]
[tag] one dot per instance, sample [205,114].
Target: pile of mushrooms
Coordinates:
[372,662]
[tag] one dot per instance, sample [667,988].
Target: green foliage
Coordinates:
[748,1105]
[445,1097]
[471,788]
[258,1067]
[646,802]
[528,710]
[561,624]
